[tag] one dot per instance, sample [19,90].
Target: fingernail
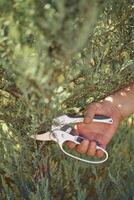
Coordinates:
[75,126]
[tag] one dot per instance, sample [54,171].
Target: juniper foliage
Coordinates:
[56,57]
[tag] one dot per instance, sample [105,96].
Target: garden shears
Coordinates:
[61,132]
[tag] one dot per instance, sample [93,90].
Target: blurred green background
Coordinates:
[55,58]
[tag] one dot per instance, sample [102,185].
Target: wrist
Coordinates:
[123,101]
[113,102]
[110,101]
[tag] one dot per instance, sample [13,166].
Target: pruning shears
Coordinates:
[61,132]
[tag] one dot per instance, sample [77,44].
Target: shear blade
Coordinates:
[44,137]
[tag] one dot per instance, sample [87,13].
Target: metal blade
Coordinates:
[44,137]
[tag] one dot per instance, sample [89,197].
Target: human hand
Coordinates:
[94,132]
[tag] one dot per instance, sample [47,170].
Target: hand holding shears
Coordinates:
[61,132]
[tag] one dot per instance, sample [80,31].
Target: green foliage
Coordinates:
[56,57]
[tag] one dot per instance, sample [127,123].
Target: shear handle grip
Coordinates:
[97,118]
[79,139]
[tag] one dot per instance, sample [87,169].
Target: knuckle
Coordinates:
[97,105]
[81,149]
[70,145]
[92,106]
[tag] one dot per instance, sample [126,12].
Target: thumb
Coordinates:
[90,112]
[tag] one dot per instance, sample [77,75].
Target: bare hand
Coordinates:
[100,133]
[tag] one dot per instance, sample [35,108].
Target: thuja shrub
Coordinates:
[55,58]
